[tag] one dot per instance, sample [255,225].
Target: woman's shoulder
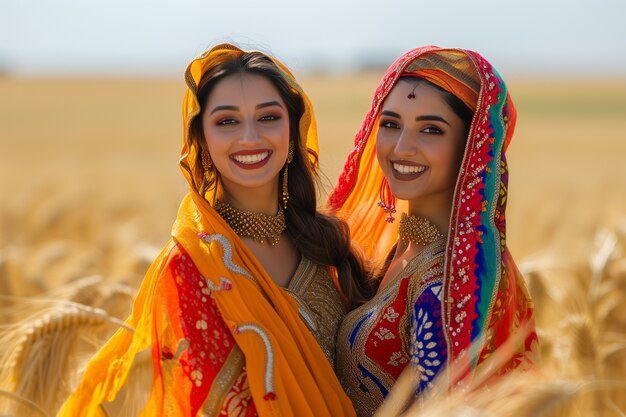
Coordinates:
[427,271]
[176,257]
[420,268]
[173,267]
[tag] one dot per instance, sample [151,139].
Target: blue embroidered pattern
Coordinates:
[428,346]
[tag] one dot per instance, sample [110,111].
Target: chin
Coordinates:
[403,193]
[262,181]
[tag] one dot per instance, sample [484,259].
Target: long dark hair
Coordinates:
[321,238]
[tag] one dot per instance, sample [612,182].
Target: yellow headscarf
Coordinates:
[287,371]
[191,109]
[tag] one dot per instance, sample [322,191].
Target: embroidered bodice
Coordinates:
[400,325]
[320,304]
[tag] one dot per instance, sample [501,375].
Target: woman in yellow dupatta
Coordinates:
[226,337]
[450,294]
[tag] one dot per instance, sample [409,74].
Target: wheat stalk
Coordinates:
[13,405]
[95,291]
[39,355]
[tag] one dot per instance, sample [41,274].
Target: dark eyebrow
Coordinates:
[235,108]
[268,104]
[390,113]
[218,108]
[418,118]
[434,118]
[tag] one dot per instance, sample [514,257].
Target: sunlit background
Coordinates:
[90,132]
[158,37]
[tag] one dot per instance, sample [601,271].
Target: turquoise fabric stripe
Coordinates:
[490,248]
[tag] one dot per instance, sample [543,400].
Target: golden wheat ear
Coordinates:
[453,386]
[516,394]
[95,291]
[41,357]
[401,396]
[12,405]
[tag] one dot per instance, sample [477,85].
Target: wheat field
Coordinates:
[89,188]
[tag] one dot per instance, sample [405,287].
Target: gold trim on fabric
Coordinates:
[319,303]
[455,218]
[451,62]
[223,383]
[414,264]
[305,269]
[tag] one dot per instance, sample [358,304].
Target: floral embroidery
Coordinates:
[391,315]
[372,351]
[384,334]
[393,360]
[427,348]
[196,377]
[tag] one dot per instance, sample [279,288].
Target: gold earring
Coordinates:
[207,164]
[285,188]
[290,153]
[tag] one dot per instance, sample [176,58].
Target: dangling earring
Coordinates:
[387,200]
[207,164]
[285,188]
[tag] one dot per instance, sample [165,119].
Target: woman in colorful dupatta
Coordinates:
[449,294]
[224,338]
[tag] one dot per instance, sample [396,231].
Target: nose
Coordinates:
[405,146]
[250,134]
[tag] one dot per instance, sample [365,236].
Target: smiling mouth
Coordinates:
[250,159]
[407,169]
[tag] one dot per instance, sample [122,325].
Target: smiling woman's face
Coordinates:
[420,143]
[246,128]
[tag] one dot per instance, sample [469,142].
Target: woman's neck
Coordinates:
[435,209]
[262,199]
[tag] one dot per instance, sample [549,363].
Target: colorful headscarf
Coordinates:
[485,300]
[287,371]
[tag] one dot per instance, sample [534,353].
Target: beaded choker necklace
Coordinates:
[417,230]
[259,226]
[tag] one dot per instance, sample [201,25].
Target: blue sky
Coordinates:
[158,37]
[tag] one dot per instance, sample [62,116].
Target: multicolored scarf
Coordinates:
[485,301]
[287,371]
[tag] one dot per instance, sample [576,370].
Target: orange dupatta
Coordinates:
[287,371]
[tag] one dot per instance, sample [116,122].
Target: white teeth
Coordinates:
[408,169]
[251,159]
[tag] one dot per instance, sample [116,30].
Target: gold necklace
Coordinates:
[258,226]
[417,230]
